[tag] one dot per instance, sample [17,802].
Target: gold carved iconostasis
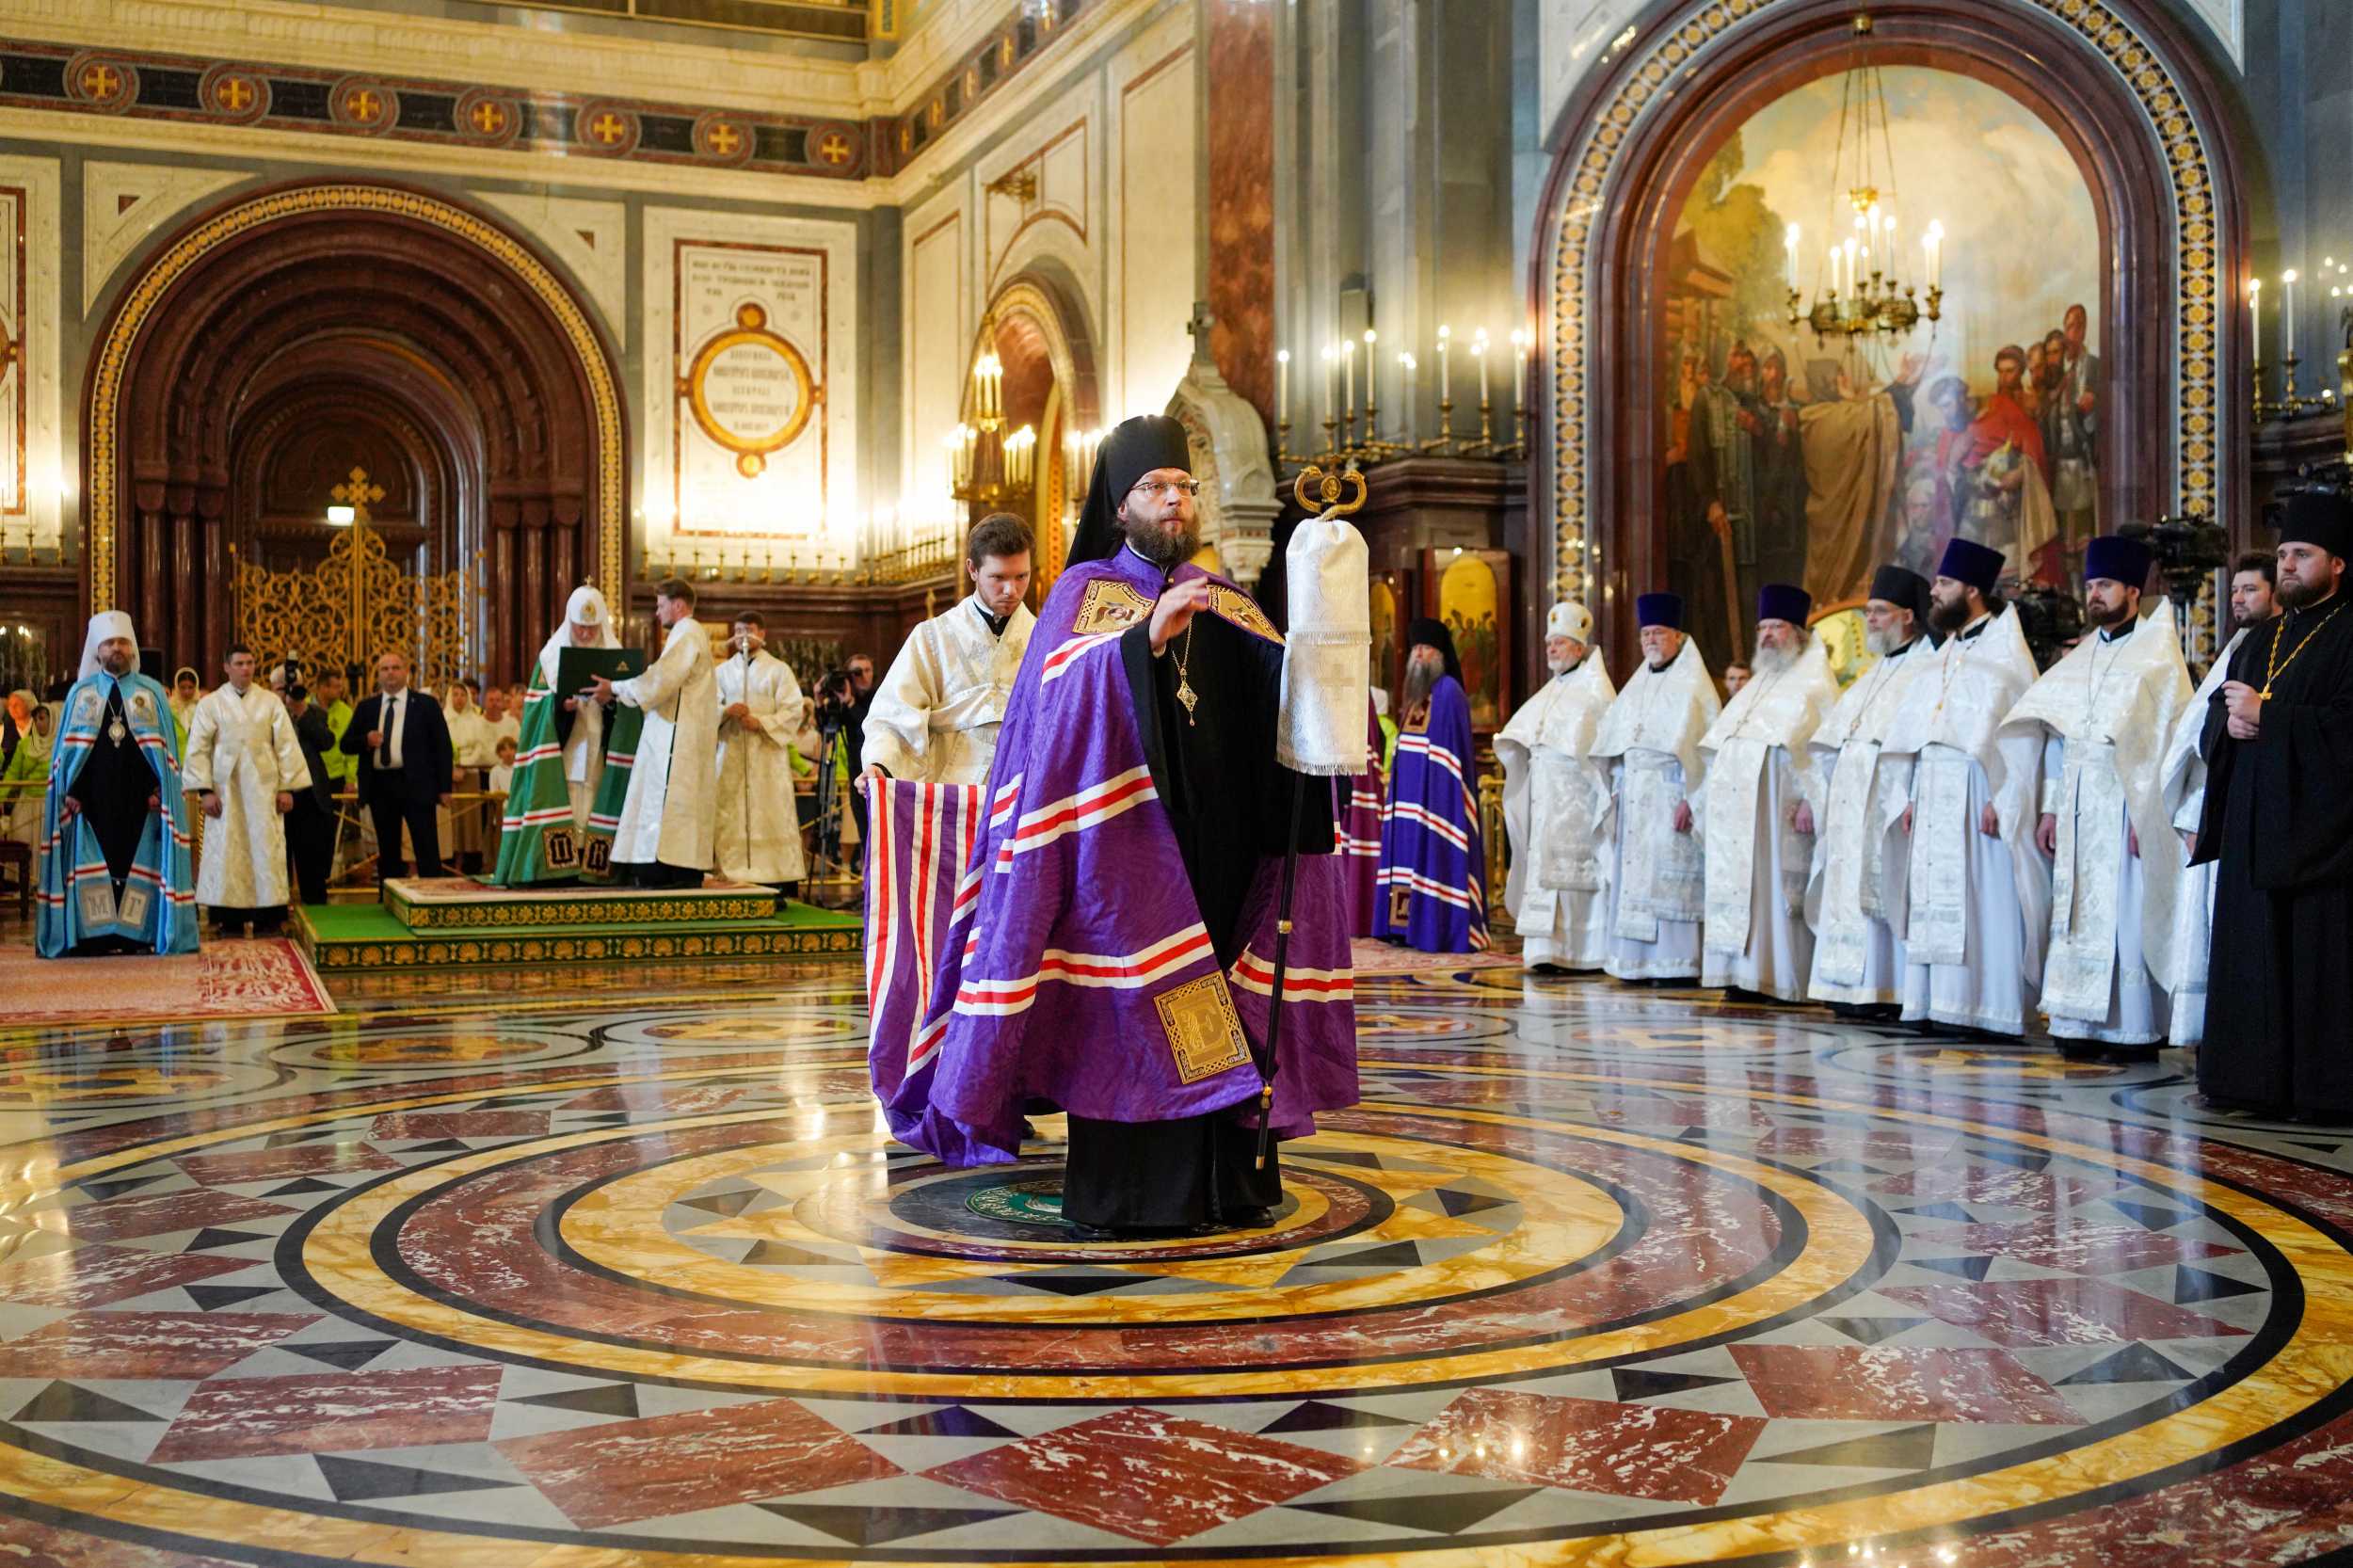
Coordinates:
[1788,460]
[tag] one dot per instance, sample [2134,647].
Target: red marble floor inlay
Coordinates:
[95,1275]
[2067,1311]
[325,1413]
[2049,1243]
[1814,1143]
[123,1219]
[656,1100]
[1146,1475]
[300,1160]
[146,1344]
[402,1125]
[1623,1450]
[2005,1185]
[1884,1383]
[700,1459]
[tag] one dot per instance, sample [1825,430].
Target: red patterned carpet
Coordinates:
[264,977]
[1375,957]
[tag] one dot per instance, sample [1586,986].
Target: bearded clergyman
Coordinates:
[1856,889]
[560,760]
[1111,934]
[1651,740]
[2104,714]
[1556,802]
[1433,876]
[114,849]
[2279,829]
[2253,601]
[1980,892]
[1754,810]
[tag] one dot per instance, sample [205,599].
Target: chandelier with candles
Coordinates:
[988,465]
[1860,291]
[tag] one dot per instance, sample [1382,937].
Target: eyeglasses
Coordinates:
[1150,488]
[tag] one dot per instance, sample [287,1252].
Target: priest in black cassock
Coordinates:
[2279,826]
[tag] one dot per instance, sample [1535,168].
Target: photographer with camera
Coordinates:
[833,712]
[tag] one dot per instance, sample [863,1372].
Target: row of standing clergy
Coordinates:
[1953,837]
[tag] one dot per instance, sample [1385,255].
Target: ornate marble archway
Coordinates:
[2117,71]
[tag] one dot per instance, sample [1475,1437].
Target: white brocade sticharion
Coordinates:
[244,749]
[935,714]
[1978,906]
[1651,738]
[2105,713]
[1856,888]
[2185,785]
[760,823]
[667,815]
[1755,934]
[1556,810]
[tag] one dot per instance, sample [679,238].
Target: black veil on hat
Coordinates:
[1424,630]
[1134,448]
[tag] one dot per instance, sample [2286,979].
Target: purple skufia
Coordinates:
[1437,777]
[1045,989]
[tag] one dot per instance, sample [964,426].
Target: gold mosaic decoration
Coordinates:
[2197,259]
[114,355]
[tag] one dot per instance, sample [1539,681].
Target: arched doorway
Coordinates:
[298,334]
[1040,339]
[2117,84]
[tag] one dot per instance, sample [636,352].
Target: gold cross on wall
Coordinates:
[233,93]
[608,128]
[359,492]
[725,140]
[489,118]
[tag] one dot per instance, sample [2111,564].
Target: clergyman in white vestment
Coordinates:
[1979,901]
[1756,823]
[1650,739]
[935,714]
[2254,601]
[1855,892]
[243,759]
[666,828]
[1556,802]
[2104,714]
[759,715]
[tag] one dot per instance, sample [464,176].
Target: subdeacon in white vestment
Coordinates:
[1978,906]
[1754,937]
[668,814]
[1556,810]
[2108,711]
[760,823]
[935,714]
[2185,786]
[244,749]
[1856,886]
[1651,736]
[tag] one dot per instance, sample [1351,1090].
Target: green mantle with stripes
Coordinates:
[538,840]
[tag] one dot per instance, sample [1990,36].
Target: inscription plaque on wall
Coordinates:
[749,335]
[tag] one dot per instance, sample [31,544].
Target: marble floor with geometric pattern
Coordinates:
[1595,1274]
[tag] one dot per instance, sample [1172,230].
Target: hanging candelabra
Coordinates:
[1861,291]
[989,466]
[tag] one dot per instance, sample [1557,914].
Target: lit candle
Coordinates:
[1936,254]
[1372,378]
[1446,385]
[1834,269]
[1478,352]
[1789,254]
[2287,313]
[1520,339]
[1348,377]
[1405,373]
[2255,310]
[1854,277]
[1283,385]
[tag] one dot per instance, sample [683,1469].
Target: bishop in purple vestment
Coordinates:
[1108,948]
[1432,858]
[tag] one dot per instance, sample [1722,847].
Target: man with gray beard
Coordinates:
[1754,807]
[1855,893]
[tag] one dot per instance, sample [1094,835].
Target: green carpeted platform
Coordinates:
[371,937]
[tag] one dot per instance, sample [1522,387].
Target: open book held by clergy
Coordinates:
[572,759]
[1094,930]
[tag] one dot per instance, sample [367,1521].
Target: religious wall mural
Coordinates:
[1789,459]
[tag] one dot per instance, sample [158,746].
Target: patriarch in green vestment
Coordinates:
[571,764]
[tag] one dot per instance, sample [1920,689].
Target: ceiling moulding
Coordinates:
[985,92]
[372,43]
[517,125]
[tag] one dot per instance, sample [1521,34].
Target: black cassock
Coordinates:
[1229,803]
[2279,824]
